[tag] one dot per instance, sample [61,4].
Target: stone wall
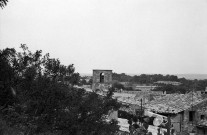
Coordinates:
[176,121]
[182,124]
[200,109]
[97,84]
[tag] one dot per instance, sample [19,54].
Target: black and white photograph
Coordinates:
[103,67]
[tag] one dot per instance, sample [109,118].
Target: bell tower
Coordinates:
[102,80]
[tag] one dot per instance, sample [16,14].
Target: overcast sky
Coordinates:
[127,36]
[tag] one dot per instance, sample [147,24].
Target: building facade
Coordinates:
[188,112]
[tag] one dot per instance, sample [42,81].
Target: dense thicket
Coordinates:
[37,96]
[3,3]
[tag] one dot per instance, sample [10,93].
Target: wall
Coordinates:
[102,86]
[113,115]
[176,121]
[200,109]
[182,124]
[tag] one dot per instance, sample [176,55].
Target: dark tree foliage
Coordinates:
[7,74]
[85,81]
[143,78]
[90,82]
[148,79]
[121,77]
[186,85]
[168,88]
[37,96]
[189,85]
[3,3]
[118,86]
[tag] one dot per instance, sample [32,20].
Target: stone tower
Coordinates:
[102,80]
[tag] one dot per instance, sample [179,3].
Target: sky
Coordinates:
[126,36]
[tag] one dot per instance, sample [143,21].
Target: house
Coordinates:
[133,105]
[188,112]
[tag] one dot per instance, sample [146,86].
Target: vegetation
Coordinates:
[186,85]
[3,3]
[121,77]
[143,78]
[171,89]
[117,86]
[37,96]
[85,81]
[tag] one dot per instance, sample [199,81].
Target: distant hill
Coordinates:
[193,76]
[186,76]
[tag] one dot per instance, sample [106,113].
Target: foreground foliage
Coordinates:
[3,3]
[37,96]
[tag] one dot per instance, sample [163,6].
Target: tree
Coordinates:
[83,82]
[172,89]
[90,81]
[7,75]
[3,3]
[118,86]
[44,103]
[121,77]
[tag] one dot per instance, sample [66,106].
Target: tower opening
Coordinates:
[101,77]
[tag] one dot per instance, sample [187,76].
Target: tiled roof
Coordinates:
[131,109]
[135,99]
[126,98]
[174,103]
[170,103]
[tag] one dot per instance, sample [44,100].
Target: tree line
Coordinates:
[186,85]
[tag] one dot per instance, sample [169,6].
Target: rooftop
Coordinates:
[175,103]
